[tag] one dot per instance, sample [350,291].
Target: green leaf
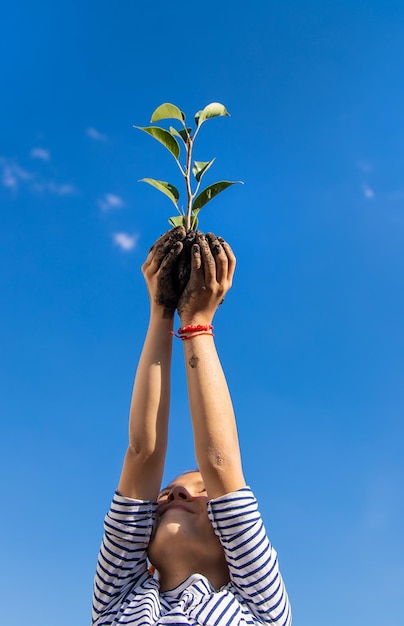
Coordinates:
[177,220]
[214,109]
[169,190]
[194,221]
[200,167]
[181,220]
[197,116]
[164,137]
[185,134]
[167,111]
[210,192]
[181,133]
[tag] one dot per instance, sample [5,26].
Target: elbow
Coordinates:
[219,464]
[219,459]
[141,451]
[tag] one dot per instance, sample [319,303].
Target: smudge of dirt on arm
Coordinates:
[193,361]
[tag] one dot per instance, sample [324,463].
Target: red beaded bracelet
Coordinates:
[194,335]
[194,329]
[187,332]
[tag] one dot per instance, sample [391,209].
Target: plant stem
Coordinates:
[189,145]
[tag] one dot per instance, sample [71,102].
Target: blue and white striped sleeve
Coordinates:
[252,561]
[122,560]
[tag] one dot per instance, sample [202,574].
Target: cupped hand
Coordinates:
[212,269]
[157,270]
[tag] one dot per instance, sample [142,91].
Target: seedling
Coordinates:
[192,171]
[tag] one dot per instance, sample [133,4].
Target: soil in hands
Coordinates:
[172,284]
[182,267]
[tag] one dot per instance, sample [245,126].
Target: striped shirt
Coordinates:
[125,592]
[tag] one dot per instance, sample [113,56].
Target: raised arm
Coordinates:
[215,434]
[148,423]
[251,559]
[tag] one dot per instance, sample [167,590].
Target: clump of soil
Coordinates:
[172,286]
[172,283]
[182,267]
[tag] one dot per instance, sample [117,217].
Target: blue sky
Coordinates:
[311,335]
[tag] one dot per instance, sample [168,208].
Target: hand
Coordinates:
[212,268]
[157,270]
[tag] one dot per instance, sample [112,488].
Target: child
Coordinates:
[203,534]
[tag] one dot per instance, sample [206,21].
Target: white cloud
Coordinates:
[40,153]
[23,174]
[60,189]
[95,134]
[368,192]
[8,178]
[124,241]
[13,174]
[110,201]
[364,166]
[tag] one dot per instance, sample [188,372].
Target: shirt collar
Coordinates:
[198,584]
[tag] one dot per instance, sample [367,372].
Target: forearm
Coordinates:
[148,422]
[214,426]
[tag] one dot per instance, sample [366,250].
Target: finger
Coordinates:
[219,256]
[230,257]
[170,258]
[160,240]
[196,261]
[178,233]
[174,234]
[196,275]
[165,243]
[214,243]
[148,260]
[207,260]
[151,257]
